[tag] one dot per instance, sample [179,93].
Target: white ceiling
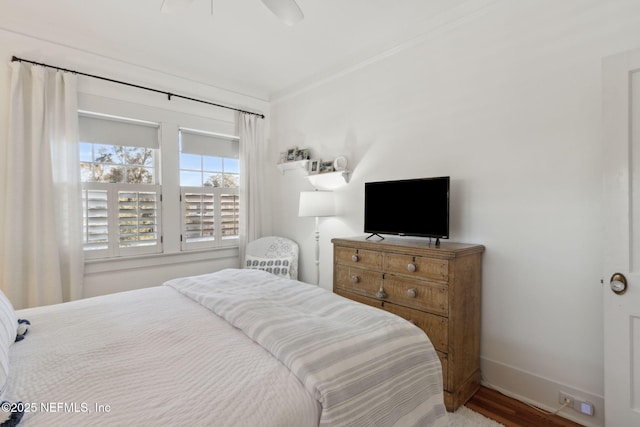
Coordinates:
[241,47]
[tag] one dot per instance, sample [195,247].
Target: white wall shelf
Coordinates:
[298,164]
[321,181]
[329,180]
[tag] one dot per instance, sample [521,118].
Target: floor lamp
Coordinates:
[317,204]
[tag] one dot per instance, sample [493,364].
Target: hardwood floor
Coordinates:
[512,413]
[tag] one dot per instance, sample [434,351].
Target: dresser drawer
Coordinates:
[361,258]
[435,327]
[416,266]
[357,280]
[425,296]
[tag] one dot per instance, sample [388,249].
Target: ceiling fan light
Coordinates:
[172,6]
[287,11]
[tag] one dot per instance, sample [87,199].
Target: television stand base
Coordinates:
[375,234]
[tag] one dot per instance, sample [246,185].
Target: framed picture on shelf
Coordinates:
[291,154]
[314,166]
[340,164]
[302,154]
[283,157]
[326,166]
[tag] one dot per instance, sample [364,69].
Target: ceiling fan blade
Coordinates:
[172,6]
[287,11]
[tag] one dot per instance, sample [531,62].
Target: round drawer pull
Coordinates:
[355,279]
[412,293]
[413,322]
[381,294]
[411,267]
[355,258]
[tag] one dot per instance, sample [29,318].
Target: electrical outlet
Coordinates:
[579,405]
[566,398]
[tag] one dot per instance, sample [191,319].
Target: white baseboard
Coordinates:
[539,392]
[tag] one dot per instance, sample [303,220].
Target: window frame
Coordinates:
[220,123]
[203,143]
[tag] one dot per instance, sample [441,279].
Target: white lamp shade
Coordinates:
[317,203]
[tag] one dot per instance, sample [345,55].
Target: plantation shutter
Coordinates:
[96,219]
[138,218]
[121,219]
[199,215]
[230,214]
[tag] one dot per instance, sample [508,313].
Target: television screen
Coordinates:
[412,207]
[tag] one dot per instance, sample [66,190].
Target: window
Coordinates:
[120,189]
[209,182]
[166,184]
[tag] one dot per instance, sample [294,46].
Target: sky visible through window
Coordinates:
[199,171]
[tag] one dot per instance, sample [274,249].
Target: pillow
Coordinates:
[281,267]
[11,413]
[23,328]
[8,332]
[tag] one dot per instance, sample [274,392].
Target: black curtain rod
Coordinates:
[169,94]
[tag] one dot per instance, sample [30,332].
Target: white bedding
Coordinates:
[365,366]
[156,357]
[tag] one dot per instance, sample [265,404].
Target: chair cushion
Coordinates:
[275,247]
[279,266]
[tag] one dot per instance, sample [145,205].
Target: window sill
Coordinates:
[145,261]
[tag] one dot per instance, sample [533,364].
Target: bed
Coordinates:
[231,348]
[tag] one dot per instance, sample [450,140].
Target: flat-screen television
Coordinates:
[410,207]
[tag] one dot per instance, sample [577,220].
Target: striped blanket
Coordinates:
[366,367]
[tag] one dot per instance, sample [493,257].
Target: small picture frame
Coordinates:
[326,166]
[302,154]
[291,154]
[314,166]
[340,164]
[283,157]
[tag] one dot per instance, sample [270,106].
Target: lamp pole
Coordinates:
[317,251]
[316,204]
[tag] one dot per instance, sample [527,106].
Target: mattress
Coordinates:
[233,348]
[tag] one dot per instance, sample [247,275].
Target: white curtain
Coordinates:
[41,254]
[252,161]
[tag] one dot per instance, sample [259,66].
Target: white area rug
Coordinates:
[465,417]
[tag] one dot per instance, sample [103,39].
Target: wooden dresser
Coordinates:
[436,288]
